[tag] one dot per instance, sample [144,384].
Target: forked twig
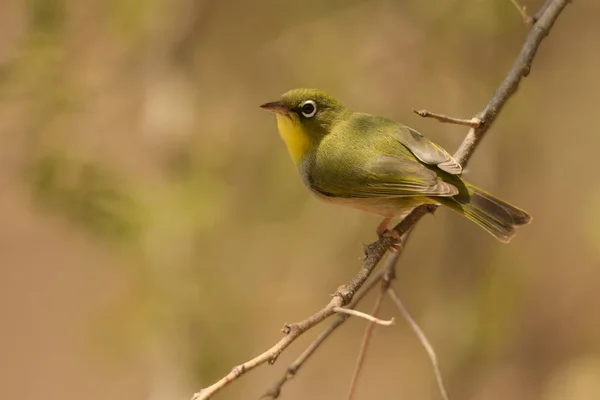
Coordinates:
[292,369]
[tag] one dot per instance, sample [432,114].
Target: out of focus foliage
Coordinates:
[137,124]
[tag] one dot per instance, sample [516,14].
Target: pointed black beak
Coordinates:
[277,107]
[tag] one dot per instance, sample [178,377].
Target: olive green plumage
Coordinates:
[380,166]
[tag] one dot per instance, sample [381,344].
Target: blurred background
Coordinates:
[154,232]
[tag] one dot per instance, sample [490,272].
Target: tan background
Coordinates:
[154,233]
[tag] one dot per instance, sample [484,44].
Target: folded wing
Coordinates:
[391,176]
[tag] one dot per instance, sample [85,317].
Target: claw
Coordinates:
[382,228]
[396,246]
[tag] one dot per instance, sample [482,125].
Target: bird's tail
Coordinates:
[496,216]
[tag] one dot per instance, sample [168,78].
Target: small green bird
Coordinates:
[380,166]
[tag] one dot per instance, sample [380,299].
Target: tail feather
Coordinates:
[496,216]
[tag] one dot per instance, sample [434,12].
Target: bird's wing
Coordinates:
[427,151]
[389,176]
[397,176]
[382,160]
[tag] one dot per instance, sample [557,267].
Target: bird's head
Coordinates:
[304,117]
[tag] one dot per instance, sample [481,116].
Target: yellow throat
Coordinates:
[295,138]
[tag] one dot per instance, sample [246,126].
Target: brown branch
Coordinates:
[341,298]
[542,10]
[376,250]
[519,70]
[384,275]
[293,368]
[291,331]
[472,122]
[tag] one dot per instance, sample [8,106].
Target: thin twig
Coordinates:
[371,318]
[472,122]
[528,19]
[389,272]
[364,345]
[293,368]
[385,274]
[376,250]
[292,331]
[423,339]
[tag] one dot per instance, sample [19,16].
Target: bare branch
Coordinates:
[375,251]
[292,331]
[473,122]
[293,368]
[543,9]
[519,70]
[423,339]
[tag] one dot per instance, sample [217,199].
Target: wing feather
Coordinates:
[427,151]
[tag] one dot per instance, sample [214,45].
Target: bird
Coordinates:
[380,166]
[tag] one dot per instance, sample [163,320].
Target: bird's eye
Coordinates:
[309,108]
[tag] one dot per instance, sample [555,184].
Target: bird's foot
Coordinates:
[383,227]
[397,244]
[383,231]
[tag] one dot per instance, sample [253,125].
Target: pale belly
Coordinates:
[383,206]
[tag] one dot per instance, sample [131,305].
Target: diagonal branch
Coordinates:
[545,19]
[343,297]
[519,70]
[293,368]
[384,276]
[543,9]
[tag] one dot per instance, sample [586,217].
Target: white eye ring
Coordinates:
[308,108]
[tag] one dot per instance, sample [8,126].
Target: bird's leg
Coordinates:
[383,231]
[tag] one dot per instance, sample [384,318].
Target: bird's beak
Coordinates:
[277,107]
